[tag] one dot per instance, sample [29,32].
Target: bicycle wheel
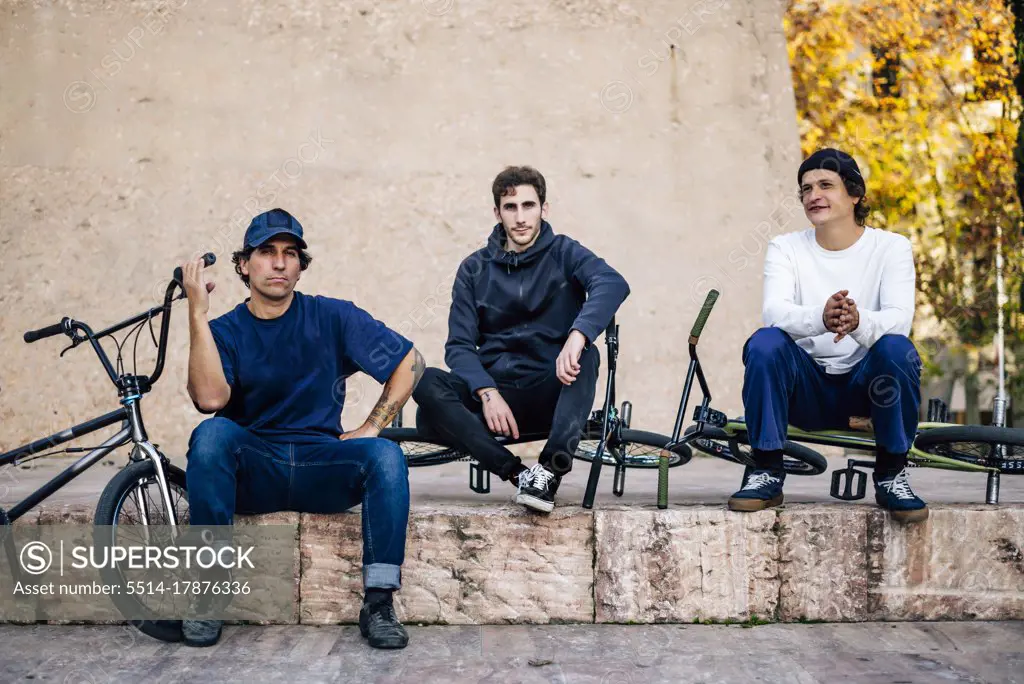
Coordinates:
[419,450]
[978,445]
[638,449]
[796,458]
[132,500]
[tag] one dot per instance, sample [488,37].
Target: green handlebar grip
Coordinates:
[705,311]
[662,482]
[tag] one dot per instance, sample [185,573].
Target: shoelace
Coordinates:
[385,611]
[760,480]
[525,478]
[899,485]
[540,476]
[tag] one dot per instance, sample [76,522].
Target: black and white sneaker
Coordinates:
[536,489]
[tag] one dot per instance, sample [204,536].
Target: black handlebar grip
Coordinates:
[209,259]
[702,317]
[48,331]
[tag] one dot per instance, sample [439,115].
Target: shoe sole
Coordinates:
[751,505]
[917,515]
[206,643]
[534,503]
[365,633]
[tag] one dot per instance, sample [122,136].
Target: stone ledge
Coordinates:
[498,565]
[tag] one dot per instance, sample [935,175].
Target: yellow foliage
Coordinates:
[920,93]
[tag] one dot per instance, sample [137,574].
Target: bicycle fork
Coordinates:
[143,444]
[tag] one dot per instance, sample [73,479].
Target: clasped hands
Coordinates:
[840,315]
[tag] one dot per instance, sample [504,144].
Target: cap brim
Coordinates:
[299,241]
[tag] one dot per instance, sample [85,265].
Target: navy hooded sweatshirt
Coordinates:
[512,312]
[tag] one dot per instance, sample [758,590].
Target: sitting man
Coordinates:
[273,370]
[525,312]
[838,303]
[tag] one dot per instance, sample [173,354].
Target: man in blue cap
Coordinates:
[838,306]
[273,371]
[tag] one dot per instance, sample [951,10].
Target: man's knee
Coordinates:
[388,460]
[766,344]
[429,387]
[591,358]
[211,441]
[897,351]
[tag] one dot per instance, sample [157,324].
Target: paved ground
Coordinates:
[867,653]
[703,480]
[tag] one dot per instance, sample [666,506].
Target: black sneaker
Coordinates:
[379,624]
[894,494]
[762,489]
[201,633]
[536,487]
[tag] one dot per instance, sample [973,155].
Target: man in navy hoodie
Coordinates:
[526,310]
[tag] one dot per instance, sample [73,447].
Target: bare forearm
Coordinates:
[206,382]
[397,390]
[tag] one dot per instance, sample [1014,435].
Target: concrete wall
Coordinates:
[133,135]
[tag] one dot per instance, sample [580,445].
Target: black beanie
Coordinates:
[831,160]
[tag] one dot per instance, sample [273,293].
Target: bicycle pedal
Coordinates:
[849,484]
[709,416]
[479,478]
[619,481]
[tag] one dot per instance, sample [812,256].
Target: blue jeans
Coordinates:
[783,385]
[231,470]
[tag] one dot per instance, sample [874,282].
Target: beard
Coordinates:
[523,238]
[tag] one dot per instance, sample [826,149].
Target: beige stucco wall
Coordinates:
[135,134]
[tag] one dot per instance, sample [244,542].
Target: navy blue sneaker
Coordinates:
[895,495]
[762,489]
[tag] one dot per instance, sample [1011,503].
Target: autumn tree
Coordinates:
[922,93]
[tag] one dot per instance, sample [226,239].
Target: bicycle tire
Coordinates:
[108,509]
[797,459]
[648,455]
[976,444]
[419,450]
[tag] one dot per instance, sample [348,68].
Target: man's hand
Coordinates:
[567,365]
[367,429]
[833,311]
[849,319]
[193,276]
[497,413]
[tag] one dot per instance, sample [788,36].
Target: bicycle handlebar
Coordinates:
[49,331]
[69,327]
[702,317]
[209,259]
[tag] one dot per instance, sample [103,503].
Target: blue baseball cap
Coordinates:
[271,223]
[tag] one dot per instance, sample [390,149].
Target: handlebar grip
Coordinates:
[702,317]
[48,331]
[209,259]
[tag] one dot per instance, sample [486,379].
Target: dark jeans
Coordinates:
[231,470]
[783,385]
[540,405]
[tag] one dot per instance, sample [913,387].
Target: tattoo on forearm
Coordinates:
[384,412]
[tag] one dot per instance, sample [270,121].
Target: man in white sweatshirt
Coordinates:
[838,304]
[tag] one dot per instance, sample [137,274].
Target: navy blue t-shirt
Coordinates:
[287,374]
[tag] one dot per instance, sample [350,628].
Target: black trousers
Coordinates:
[540,405]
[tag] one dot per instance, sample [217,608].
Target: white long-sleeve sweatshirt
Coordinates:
[800,275]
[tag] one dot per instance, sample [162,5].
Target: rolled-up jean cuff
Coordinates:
[382,576]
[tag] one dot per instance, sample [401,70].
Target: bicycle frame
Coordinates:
[132,430]
[865,441]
